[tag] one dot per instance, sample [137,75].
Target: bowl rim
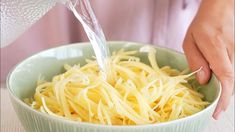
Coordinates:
[88,124]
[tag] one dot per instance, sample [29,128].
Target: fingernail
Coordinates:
[218,116]
[218,113]
[201,76]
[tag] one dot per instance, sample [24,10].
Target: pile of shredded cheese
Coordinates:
[134,93]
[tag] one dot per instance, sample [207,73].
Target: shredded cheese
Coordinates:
[133,94]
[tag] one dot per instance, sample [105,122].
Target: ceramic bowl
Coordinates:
[22,81]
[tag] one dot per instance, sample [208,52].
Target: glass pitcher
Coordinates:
[19,15]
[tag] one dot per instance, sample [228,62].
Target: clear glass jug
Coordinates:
[18,15]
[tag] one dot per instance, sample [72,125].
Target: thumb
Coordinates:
[196,60]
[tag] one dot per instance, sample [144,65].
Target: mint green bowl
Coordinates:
[22,81]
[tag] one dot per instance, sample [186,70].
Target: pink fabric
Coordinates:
[159,22]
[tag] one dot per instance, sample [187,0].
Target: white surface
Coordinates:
[10,122]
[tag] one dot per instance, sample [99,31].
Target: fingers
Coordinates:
[224,98]
[215,52]
[196,59]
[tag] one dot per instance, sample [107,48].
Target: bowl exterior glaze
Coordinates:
[22,81]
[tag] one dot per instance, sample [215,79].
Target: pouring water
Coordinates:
[84,13]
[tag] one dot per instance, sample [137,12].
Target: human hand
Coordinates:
[209,43]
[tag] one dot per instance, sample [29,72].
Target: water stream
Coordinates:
[84,13]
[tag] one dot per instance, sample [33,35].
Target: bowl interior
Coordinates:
[22,80]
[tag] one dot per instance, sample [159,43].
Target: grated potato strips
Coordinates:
[133,94]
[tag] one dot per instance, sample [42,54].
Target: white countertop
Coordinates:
[10,122]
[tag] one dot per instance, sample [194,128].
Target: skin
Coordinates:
[209,43]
